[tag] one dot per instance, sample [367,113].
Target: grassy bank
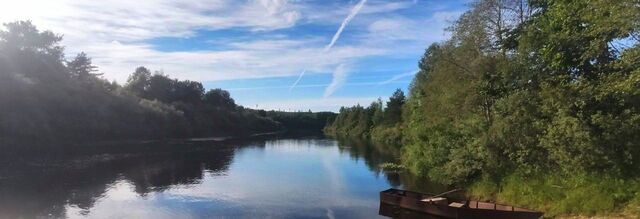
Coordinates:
[578,196]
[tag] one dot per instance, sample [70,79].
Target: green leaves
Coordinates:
[574,37]
[548,93]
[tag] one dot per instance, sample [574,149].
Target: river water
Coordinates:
[303,177]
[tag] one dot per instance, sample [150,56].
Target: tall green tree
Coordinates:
[377,117]
[81,68]
[138,81]
[393,112]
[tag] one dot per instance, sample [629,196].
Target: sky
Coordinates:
[293,55]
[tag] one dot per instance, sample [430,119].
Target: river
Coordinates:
[302,177]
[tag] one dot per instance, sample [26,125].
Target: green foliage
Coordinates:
[532,102]
[300,121]
[575,37]
[81,67]
[138,81]
[550,102]
[44,97]
[375,122]
[220,98]
[24,38]
[351,122]
[558,194]
[388,135]
[393,112]
[391,167]
[633,208]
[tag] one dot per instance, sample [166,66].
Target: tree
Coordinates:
[81,68]
[219,98]
[573,39]
[377,117]
[189,92]
[22,43]
[138,81]
[161,88]
[41,98]
[393,112]
[526,90]
[23,36]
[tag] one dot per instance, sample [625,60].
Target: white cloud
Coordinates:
[401,35]
[339,77]
[392,29]
[115,34]
[275,44]
[316,105]
[125,20]
[395,79]
[399,28]
[386,6]
[119,60]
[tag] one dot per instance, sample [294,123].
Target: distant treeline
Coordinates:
[376,122]
[300,121]
[537,102]
[45,97]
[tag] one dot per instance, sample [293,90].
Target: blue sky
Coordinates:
[256,49]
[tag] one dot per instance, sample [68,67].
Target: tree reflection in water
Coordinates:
[374,155]
[41,186]
[79,179]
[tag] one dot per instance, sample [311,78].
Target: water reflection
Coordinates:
[42,186]
[400,213]
[281,178]
[375,154]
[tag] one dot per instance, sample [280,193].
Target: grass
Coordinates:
[556,195]
[633,208]
[392,167]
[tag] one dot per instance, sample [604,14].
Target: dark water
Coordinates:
[277,178]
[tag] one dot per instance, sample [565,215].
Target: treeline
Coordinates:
[527,89]
[45,97]
[300,121]
[379,121]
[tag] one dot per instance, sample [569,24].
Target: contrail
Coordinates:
[298,80]
[354,11]
[398,76]
[345,22]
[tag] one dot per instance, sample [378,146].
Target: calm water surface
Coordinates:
[277,178]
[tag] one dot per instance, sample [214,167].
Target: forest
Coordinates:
[45,96]
[535,103]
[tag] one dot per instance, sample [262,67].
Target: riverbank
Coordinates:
[559,196]
[578,196]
